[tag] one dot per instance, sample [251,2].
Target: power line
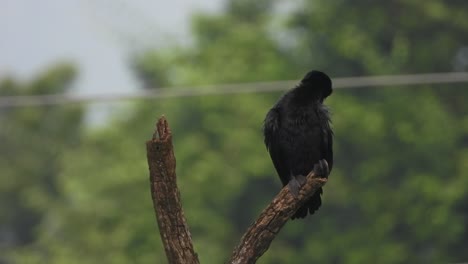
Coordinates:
[255,87]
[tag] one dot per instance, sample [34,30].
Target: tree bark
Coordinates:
[173,228]
[259,236]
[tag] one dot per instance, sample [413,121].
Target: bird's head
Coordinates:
[318,82]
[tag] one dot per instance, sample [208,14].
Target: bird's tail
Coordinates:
[310,206]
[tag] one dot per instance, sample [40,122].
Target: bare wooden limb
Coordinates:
[173,228]
[258,237]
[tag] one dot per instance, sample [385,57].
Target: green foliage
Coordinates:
[32,139]
[397,191]
[371,37]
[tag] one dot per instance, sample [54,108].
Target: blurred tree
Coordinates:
[32,140]
[396,194]
[409,209]
[370,37]
[418,136]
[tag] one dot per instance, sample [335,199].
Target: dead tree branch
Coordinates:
[258,237]
[171,220]
[173,228]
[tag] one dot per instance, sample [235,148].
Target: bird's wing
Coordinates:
[271,131]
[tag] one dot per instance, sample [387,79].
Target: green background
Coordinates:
[74,193]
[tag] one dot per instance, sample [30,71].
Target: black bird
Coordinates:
[298,135]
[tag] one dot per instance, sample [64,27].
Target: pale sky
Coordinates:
[97,35]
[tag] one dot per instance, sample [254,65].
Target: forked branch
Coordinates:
[171,221]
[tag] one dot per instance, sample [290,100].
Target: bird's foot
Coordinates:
[321,169]
[301,179]
[295,184]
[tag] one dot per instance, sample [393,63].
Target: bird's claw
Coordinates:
[294,187]
[301,179]
[295,184]
[321,169]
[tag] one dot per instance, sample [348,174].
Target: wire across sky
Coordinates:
[255,87]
